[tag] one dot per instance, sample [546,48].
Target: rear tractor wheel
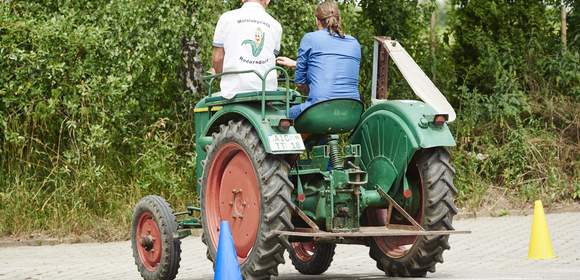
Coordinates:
[250,189]
[155,249]
[431,205]
[312,258]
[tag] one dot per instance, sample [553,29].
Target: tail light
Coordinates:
[284,124]
[440,120]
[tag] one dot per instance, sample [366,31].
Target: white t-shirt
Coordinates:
[251,41]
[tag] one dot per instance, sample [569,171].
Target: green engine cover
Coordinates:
[390,133]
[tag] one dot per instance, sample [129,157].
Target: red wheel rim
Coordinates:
[304,251]
[149,241]
[397,246]
[233,194]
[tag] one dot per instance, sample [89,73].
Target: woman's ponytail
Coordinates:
[329,15]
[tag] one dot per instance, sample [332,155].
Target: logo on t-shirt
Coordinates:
[257,44]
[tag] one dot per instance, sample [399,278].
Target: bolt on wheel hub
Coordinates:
[150,249]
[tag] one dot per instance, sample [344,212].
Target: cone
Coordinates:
[226,266]
[540,240]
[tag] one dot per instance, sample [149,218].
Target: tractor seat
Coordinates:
[332,116]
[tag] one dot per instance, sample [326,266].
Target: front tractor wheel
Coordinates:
[155,249]
[250,189]
[430,177]
[312,258]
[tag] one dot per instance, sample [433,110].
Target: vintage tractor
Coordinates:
[338,174]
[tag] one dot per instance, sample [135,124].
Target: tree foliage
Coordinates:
[93,114]
[574,23]
[515,33]
[511,69]
[91,109]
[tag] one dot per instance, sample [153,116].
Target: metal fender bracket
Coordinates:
[386,50]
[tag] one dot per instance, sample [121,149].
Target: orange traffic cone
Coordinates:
[540,240]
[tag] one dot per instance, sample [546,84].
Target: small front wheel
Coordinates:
[156,251]
[312,258]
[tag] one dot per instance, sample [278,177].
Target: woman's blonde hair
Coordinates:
[329,15]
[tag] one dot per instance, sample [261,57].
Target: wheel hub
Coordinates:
[233,194]
[304,250]
[150,239]
[238,204]
[147,242]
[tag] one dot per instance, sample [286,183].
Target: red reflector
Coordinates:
[407,193]
[301,197]
[284,124]
[440,120]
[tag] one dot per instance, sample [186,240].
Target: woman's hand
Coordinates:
[285,61]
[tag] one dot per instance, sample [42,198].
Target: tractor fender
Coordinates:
[416,116]
[390,132]
[252,113]
[209,118]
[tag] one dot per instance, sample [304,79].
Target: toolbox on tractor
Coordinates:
[379,177]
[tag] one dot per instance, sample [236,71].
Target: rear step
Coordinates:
[392,230]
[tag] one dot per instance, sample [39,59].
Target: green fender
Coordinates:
[209,118]
[390,133]
[252,113]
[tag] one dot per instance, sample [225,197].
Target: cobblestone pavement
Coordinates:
[497,249]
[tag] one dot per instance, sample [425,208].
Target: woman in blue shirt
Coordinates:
[328,61]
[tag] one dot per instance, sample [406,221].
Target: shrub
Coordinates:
[81,86]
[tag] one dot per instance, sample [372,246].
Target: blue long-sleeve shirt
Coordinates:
[329,65]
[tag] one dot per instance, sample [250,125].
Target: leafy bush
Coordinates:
[81,86]
[93,114]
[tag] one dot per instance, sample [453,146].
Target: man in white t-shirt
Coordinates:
[246,39]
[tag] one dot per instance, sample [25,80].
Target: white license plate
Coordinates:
[286,142]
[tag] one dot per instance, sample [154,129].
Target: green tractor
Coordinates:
[338,174]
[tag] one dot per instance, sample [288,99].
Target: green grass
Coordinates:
[536,158]
[92,197]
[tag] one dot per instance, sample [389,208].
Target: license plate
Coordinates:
[286,142]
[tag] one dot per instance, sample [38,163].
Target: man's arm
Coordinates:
[218,59]
[218,53]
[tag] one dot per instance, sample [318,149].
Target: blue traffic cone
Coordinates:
[226,266]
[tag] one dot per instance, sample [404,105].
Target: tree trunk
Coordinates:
[433,40]
[564,26]
[192,68]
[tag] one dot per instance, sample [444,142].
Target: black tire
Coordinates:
[434,167]
[162,214]
[318,263]
[275,189]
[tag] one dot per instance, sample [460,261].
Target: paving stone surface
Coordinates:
[497,249]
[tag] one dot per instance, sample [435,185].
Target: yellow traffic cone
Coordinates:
[540,240]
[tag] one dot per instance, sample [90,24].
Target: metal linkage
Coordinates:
[184,227]
[393,203]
